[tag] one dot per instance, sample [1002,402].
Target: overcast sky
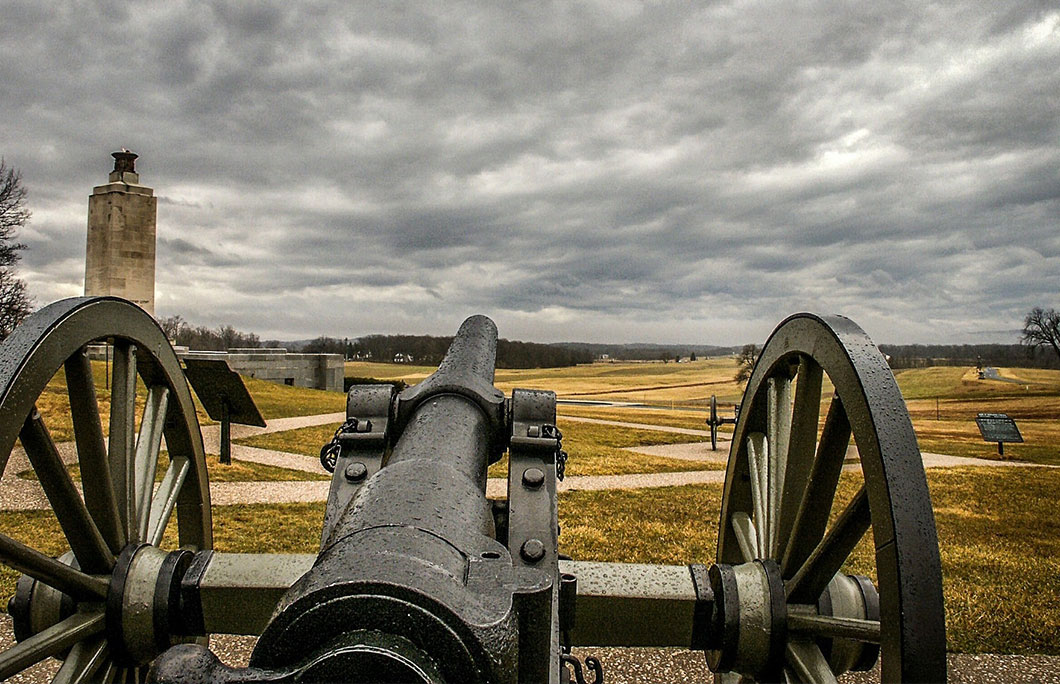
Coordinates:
[611,171]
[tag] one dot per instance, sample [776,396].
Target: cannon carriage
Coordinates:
[420,577]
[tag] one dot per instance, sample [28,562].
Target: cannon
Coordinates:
[420,577]
[715,421]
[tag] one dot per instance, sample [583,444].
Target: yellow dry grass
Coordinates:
[594,449]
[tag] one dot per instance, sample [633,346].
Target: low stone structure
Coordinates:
[317,371]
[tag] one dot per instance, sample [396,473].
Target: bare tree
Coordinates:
[172,326]
[15,304]
[745,362]
[1042,328]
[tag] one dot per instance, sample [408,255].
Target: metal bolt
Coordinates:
[533,431]
[533,478]
[355,472]
[533,550]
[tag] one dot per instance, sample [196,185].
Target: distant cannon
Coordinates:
[715,421]
[420,577]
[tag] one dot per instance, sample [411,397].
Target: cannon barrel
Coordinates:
[411,583]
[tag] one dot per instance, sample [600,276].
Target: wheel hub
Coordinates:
[36,606]
[143,606]
[749,625]
[752,622]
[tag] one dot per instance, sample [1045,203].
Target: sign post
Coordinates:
[998,427]
[225,398]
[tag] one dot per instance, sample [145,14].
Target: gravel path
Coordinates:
[19,494]
[670,665]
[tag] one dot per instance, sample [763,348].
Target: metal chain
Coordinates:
[592,663]
[329,453]
[561,455]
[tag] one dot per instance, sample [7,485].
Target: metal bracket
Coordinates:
[457,375]
[533,526]
[368,409]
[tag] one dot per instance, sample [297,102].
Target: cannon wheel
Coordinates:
[781,484]
[71,607]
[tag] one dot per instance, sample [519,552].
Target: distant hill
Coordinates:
[647,351]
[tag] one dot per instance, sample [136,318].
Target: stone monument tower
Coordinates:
[120,256]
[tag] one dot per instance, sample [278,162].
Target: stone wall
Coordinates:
[317,371]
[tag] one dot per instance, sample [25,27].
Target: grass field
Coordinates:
[942,400]
[236,471]
[999,541]
[273,400]
[688,384]
[1000,555]
[594,449]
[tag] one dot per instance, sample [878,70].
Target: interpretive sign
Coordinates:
[998,427]
[224,396]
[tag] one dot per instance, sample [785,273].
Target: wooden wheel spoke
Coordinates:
[148,447]
[802,444]
[52,572]
[808,663]
[109,673]
[828,558]
[830,627]
[92,450]
[757,448]
[49,642]
[816,500]
[84,660]
[92,552]
[746,536]
[122,426]
[778,437]
[165,499]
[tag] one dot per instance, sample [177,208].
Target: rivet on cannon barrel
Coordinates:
[355,472]
[533,478]
[533,550]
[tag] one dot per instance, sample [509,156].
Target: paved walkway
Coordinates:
[19,494]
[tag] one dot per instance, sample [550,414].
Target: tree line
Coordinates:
[202,338]
[924,355]
[428,350]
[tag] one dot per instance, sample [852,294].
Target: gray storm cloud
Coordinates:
[592,171]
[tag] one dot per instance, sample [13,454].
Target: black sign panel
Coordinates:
[217,384]
[998,427]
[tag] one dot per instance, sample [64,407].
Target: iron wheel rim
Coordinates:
[912,626]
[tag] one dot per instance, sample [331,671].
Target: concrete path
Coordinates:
[640,426]
[19,494]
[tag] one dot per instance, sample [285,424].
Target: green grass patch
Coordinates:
[306,441]
[284,401]
[962,382]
